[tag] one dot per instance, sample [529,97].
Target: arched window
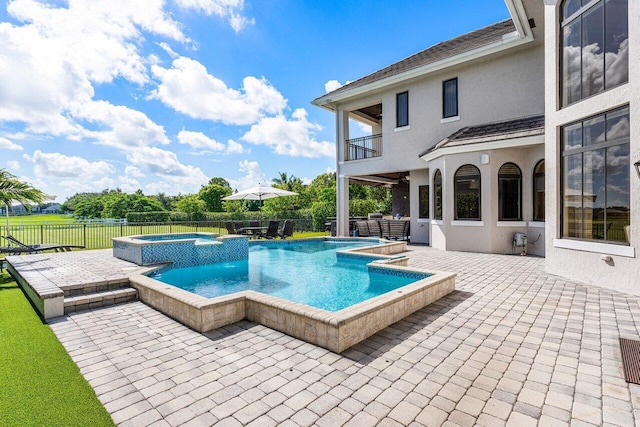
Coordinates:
[467,193]
[437,195]
[538,192]
[595,44]
[509,193]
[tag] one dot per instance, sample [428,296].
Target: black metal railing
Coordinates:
[364,147]
[99,235]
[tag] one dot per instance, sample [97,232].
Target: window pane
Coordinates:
[616,43]
[538,192]
[572,136]
[571,63]
[423,201]
[593,195]
[402,109]
[618,212]
[509,199]
[437,190]
[572,195]
[450,98]
[593,51]
[593,131]
[570,7]
[618,125]
[467,192]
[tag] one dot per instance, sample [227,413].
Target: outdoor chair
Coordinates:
[398,230]
[272,230]
[231,229]
[363,228]
[24,248]
[287,229]
[254,223]
[374,228]
[239,225]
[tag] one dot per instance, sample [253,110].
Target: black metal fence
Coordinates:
[364,147]
[99,235]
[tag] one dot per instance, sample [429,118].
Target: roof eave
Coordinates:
[522,35]
[483,146]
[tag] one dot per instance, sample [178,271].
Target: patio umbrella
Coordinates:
[260,192]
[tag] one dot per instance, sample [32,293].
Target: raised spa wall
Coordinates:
[181,252]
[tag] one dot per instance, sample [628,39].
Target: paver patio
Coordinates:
[511,346]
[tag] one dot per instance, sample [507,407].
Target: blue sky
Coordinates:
[163,95]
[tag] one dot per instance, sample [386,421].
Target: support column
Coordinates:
[342,211]
[342,181]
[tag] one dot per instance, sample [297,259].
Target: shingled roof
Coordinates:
[447,49]
[509,129]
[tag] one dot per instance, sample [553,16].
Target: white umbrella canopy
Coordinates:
[260,192]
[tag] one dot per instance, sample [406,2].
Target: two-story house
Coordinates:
[530,125]
[458,134]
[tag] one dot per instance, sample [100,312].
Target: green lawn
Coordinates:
[38,219]
[39,383]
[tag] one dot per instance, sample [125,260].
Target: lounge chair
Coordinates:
[24,248]
[287,229]
[272,230]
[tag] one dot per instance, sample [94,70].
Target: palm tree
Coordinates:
[12,189]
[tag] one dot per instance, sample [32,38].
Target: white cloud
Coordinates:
[234,147]
[133,172]
[330,170]
[165,164]
[199,140]
[290,137]
[5,144]
[127,128]
[55,56]
[188,88]
[332,85]
[252,176]
[13,165]
[229,9]
[57,165]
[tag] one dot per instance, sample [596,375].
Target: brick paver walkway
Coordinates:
[511,346]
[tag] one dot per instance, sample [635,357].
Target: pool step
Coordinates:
[99,299]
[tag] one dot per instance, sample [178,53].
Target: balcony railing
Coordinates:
[364,147]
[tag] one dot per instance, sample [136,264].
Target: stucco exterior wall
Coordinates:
[496,89]
[419,227]
[586,261]
[488,235]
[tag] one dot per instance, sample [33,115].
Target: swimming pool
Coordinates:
[310,273]
[334,330]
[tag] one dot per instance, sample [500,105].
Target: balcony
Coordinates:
[365,147]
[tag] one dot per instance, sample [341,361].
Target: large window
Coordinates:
[402,109]
[595,41]
[450,98]
[423,201]
[595,177]
[467,193]
[509,193]
[437,194]
[538,192]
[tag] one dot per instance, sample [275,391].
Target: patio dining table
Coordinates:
[253,231]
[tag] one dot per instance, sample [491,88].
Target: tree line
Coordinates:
[316,200]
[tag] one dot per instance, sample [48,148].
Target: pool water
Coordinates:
[307,272]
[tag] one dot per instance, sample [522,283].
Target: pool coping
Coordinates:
[335,331]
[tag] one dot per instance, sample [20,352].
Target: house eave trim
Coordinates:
[485,146]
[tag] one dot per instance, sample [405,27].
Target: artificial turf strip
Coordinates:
[39,383]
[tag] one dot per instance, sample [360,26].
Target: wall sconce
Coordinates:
[637,165]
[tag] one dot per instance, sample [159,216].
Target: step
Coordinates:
[99,299]
[92,288]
